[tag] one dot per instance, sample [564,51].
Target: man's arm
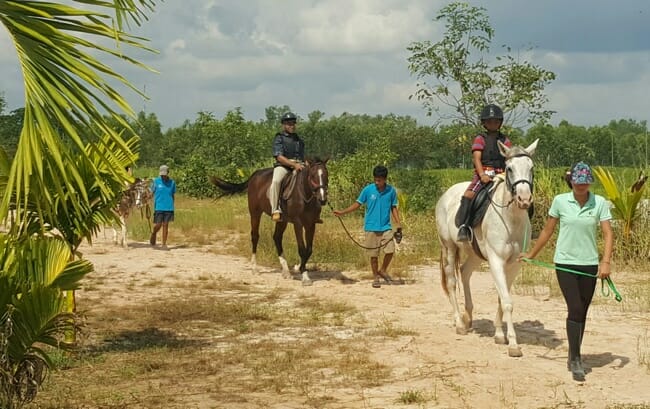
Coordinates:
[354,206]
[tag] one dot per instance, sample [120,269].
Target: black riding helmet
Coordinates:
[288,116]
[491,111]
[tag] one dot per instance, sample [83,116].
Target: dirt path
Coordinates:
[453,371]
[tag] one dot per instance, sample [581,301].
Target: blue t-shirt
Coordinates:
[577,242]
[378,207]
[163,194]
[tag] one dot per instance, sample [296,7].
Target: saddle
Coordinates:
[482,201]
[287,187]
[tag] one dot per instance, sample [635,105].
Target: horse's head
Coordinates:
[140,192]
[318,178]
[519,172]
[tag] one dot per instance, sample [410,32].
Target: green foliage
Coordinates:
[68,168]
[465,81]
[421,189]
[350,174]
[10,126]
[625,203]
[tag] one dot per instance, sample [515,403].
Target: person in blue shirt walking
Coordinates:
[579,213]
[163,189]
[380,200]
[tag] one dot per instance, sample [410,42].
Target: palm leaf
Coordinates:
[624,203]
[67,92]
[44,261]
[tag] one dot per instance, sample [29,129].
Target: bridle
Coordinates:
[316,185]
[512,186]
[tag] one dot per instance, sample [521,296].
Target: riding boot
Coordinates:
[574,331]
[462,219]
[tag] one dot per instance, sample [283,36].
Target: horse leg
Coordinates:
[255,238]
[499,335]
[504,309]
[466,271]
[280,227]
[448,275]
[123,222]
[305,249]
[514,350]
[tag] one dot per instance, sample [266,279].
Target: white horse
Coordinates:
[136,196]
[499,239]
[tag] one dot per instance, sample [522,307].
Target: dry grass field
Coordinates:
[193,327]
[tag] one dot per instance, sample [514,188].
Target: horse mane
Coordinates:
[516,151]
[316,159]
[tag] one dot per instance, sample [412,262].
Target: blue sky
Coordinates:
[350,56]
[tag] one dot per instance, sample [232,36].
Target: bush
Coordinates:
[421,189]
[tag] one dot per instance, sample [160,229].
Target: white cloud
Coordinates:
[350,56]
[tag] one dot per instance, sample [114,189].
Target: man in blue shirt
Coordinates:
[380,200]
[163,189]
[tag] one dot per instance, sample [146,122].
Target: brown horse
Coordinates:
[302,208]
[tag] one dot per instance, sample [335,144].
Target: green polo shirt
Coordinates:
[577,241]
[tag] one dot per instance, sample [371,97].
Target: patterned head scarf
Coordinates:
[581,174]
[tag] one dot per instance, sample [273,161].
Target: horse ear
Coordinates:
[503,149]
[531,148]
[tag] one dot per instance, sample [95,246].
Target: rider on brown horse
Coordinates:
[289,154]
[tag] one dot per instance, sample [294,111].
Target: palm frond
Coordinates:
[625,202]
[67,92]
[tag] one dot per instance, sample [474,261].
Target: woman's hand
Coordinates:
[523,256]
[604,269]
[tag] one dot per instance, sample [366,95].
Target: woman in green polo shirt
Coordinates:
[579,214]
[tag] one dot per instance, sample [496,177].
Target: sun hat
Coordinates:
[581,174]
[164,170]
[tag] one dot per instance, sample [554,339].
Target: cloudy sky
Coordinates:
[350,56]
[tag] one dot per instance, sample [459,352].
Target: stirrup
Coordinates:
[465,233]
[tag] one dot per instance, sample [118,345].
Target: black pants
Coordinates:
[577,290]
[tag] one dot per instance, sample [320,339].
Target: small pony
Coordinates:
[136,196]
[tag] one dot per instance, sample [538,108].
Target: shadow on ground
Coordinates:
[528,332]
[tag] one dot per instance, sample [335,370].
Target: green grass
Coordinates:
[224,226]
[411,397]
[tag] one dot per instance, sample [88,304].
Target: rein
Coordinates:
[352,238]
[314,187]
[611,288]
[512,186]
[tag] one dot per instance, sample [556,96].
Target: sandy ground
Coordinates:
[455,371]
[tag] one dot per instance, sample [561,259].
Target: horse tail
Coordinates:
[228,187]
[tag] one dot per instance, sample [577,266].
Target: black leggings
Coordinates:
[577,290]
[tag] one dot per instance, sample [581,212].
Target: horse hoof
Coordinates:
[515,352]
[467,320]
[500,340]
[286,274]
[461,331]
[307,283]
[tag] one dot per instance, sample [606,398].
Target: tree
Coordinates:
[463,80]
[69,161]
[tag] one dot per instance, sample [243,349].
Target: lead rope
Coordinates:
[352,238]
[611,288]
